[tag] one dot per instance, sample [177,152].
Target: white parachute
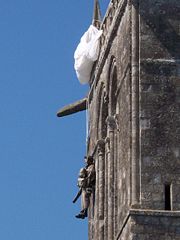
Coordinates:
[87,53]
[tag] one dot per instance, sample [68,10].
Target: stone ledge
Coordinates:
[160,60]
[158,213]
[147,213]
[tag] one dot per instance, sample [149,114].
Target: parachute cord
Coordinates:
[87,125]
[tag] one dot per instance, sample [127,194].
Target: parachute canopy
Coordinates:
[87,53]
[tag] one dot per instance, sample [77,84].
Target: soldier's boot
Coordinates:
[85,212]
[82,214]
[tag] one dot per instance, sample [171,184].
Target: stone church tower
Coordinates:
[134,122]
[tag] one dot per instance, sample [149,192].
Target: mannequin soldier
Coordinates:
[86,183]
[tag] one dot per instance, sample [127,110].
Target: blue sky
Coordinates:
[40,155]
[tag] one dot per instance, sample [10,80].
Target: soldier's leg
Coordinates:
[83,199]
[86,202]
[83,212]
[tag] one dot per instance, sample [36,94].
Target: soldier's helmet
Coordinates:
[82,172]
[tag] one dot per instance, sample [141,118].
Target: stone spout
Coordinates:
[73,108]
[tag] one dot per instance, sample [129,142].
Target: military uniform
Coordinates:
[86,182]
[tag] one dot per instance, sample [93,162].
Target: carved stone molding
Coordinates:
[116,116]
[111,123]
[100,147]
[107,142]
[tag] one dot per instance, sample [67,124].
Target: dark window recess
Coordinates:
[167,192]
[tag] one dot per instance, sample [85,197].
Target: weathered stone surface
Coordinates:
[134,108]
[144,224]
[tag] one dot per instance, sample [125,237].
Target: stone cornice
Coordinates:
[146,213]
[158,213]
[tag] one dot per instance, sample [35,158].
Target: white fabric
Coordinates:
[87,53]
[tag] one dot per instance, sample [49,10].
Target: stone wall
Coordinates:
[159,102]
[134,123]
[147,225]
[109,104]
